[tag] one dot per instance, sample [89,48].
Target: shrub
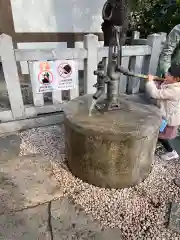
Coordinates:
[153,16]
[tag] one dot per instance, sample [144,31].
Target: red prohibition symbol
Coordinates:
[45,77]
[65,70]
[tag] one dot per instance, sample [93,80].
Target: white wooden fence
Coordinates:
[140,58]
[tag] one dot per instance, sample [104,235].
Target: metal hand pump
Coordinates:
[114,30]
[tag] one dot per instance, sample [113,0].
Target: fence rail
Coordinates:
[140,58]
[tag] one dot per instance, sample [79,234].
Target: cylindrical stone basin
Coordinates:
[114,149]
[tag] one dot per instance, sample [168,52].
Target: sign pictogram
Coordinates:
[66,74]
[45,77]
[65,70]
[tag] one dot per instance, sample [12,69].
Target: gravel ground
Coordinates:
[140,212]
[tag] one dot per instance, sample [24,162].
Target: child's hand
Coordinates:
[150,77]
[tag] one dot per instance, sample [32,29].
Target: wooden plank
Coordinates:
[135,35]
[140,41]
[155,42]
[24,67]
[75,91]
[38,45]
[57,97]
[136,64]
[6,116]
[123,78]
[101,43]
[24,124]
[11,76]
[38,98]
[50,54]
[90,63]
[80,61]
[31,111]
[145,70]
[150,63]
[127,51]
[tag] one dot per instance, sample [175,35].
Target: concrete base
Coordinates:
[114,149]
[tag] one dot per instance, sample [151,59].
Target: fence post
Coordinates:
[11,76]
[163,39]
[135,38]
[90,64]
[136,65]
[38,98]
[155,41]
[135,35]
[150,63]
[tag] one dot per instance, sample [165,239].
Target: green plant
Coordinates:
[153,16]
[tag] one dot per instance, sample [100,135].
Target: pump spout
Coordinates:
[98,94]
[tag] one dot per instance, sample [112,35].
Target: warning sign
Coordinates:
[44,76]
[66,74]
[65,70]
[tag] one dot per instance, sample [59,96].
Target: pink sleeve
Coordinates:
[165,94]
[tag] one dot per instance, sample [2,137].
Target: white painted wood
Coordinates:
[136,35]
[90,63]
[123,78]
[136,64]
[80,61]
[163,39]
[6,116]
[24,67]
[38,98]
[24,124]
[140,41]
[32,111]
[127,51]
[75,91]
[11,76]
[49,54]
[38,45]
[101,43]
[155,42]
[57,97]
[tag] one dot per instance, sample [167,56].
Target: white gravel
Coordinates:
[140,212]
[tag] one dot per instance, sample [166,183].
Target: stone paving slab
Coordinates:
[176,144]
[29,224]
[174,220]
[67,222]
[71,223]
[26,181]
[28,210]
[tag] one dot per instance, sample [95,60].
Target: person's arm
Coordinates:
[154,92]
[171,43]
